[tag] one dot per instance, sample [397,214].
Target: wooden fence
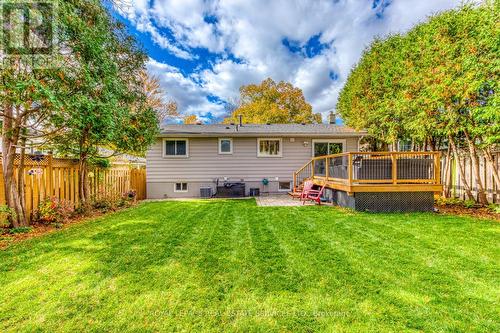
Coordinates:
[45,176]
[453,182]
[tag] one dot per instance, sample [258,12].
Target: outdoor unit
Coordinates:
[205,192]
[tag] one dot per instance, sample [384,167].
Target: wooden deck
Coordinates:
[374,172]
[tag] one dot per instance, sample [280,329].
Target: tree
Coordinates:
[156,99]
[435,85]
[191,119]
[271,102]
[31,100]
[109,107]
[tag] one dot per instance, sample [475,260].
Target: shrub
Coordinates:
[130,195]
[53,210]
[469,204]
[442,201]
[5,213]
[127,199]
[495,208]
[105,204]
[82,210]
[20,230]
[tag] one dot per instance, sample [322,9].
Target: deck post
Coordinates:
[394,168]
[349,170]
[326,168]
[437,168]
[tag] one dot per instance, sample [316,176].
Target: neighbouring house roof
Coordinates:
[327,130]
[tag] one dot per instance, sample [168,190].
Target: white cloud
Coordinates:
[253,32]
[191,98]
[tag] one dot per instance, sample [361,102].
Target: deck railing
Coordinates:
[359,168]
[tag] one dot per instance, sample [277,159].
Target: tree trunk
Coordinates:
[481,194]
[449,179]
[10,137]
[20,174]
[494,169]
[461,170]
[83,187]
[432,144]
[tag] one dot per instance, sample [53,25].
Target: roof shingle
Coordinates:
[260,129]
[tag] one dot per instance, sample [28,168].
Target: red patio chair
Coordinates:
[308,186]
[313,195]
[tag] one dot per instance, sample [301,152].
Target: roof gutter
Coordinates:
[255,135]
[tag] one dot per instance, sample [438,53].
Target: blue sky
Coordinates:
[203,51]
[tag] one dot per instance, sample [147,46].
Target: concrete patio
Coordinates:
[279,200]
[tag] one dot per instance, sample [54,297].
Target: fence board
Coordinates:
[53,177]
[456,187]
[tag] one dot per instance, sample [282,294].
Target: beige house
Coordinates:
[198,160]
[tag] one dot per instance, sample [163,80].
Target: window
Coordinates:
[181,187]
[225,146]
[404,145]
[285,186]
[175,148]
[327,147]
[269,148]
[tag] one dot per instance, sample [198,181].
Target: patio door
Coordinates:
[327,147]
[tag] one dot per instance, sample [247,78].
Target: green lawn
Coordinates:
[232,266]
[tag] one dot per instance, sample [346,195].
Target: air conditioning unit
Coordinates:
[205,192]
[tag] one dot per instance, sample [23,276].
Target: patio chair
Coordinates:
[313,195]
[300,190]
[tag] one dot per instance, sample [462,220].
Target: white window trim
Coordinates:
[283,190]
[342,141]
[181,191]
[175,156]
[225,152]
[259,154]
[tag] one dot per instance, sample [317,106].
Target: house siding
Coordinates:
[204,165]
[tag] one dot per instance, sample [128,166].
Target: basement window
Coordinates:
[285,186]
[181,187]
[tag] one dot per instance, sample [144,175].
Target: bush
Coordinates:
[20,230]
[53,210]
[5,213]
[495,208]
[442,201]
[82,210]
[105,204]
[130,195]
[127,199]
[469,204]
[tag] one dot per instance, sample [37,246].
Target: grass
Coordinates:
[231,266]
